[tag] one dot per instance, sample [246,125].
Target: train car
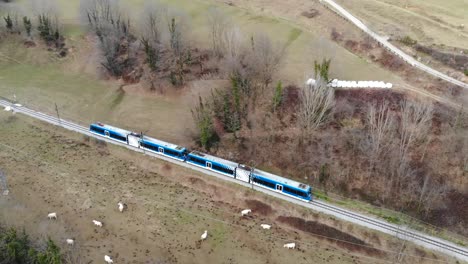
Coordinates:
[110,132]
[209,162]
[285,186]
[163,148]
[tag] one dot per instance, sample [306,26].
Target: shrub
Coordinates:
[407,40]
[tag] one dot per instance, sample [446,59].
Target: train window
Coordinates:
[222,169]
[197,160]
[118,137]
[148,146]
[97,129]
[264,183]
[294,191]
[171,152]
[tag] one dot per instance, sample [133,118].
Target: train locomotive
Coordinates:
[221,166]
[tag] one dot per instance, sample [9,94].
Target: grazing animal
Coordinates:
[122,206]
[52,216]
[265,226]
[246,212]
[108,259]
[204,235]
[70,241]
[97,223]
[7,108]
[290,245]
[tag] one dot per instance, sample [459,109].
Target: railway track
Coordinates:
[402,232]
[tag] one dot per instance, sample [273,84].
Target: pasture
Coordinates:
[169,207]
[37,77]
[430,22]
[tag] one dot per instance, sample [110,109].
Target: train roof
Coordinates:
[163,143]
[213,158]
[112,128]
[282,180]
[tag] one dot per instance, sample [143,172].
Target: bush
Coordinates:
[407,40]
[16,248]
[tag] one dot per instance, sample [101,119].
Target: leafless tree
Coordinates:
[317,101]
[179,43]
[233,41]
[151,32]
[113,31]
[380,126]
[151,22]
[219,24]
[415,123]
[265,58]
[430,192]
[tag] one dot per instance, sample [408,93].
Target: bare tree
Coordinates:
[220,25]
[113,31]
[233,42]
[415,122]
[430,194]
[179,43]
[380,126]
[317,101]
[151,32]
[265,58]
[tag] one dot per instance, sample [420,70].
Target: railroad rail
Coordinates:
[403,232]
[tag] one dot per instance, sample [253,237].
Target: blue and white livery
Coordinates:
[225,167]
[282,185]
[213,163]
[163,148]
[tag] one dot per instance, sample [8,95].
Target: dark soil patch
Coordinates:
[194,180]
[259,207]
[167,167]
[311,13]
[331,234]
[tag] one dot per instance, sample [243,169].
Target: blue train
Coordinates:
[225,167]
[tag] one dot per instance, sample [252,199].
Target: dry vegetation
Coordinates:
[168,208]
[380,146]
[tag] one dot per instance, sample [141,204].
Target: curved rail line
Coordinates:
[376,224]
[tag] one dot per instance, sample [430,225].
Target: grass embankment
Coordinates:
[391,216]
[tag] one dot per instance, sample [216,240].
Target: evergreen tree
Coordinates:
[27,25]
[277,96]
[8,22]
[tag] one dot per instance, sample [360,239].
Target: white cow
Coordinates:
[97,223]
[204,235]
[52,215]
[108,259]
[122,206]
[70,241]
[246,212]
[265,226]
[290,245]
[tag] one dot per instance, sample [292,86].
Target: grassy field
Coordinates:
[430,22]
[50,169]
[41,79]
